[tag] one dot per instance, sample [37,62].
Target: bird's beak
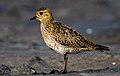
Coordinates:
[33,18]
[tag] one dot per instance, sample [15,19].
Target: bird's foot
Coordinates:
[57,72]
[63,71]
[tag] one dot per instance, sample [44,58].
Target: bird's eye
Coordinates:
[41,13]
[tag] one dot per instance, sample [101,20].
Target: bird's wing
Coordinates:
[68,37]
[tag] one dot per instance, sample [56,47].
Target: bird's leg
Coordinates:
[64,67]
[65,64]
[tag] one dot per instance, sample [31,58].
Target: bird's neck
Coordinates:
[47,21]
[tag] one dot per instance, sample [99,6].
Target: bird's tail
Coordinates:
[100,47]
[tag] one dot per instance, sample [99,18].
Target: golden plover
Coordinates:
[62,38]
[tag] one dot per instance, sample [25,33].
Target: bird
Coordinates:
[62,38]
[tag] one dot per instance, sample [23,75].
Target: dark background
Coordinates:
[83,15]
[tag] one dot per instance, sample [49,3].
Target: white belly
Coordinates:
[55,46]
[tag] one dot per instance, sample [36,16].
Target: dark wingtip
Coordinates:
[33,18]
[100,47]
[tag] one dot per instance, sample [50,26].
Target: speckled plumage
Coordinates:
[64,36]
[61,37]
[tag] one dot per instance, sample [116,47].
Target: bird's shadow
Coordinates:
[105,70]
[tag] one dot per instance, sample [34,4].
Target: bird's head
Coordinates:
[43,15]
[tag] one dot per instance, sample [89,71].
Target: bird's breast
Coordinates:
[50,41]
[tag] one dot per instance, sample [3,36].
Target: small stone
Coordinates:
[113,63]
[4,69]
[24,69]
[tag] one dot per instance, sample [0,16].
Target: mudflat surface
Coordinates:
[36,59]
